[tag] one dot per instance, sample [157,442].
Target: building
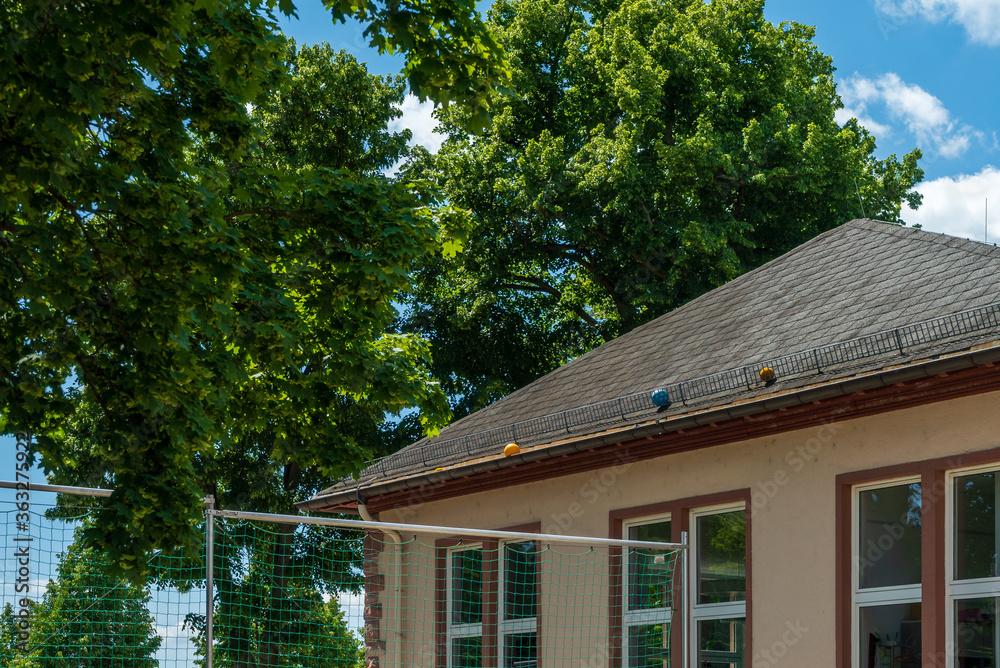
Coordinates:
[838,408]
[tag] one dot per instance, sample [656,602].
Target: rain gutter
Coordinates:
[344,499]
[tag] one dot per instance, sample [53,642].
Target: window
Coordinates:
[974,583]
[887,573]
[718,548]
[465,607]
[485,628]
[519,596]
[648,599]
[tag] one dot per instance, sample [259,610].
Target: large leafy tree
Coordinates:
[652,150]
[329,113]
[193,291]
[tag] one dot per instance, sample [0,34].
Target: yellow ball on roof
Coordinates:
[511,449]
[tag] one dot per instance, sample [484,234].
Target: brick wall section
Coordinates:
[374,586]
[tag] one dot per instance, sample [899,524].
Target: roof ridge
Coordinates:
[983,248]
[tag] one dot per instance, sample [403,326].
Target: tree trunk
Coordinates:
[271,642]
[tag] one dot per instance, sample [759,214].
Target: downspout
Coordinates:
[397,582]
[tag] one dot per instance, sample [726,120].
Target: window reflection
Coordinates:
[520,596]
[976,639]
[976,526]
[648,646]
[890,529]
[520,650]
[467,652]
[467,587]
[890,636]
[722,576]
[650,570]
[721,643]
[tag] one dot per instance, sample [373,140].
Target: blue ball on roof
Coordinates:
[660,398]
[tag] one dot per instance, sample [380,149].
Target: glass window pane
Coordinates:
[648,646]
[520,650]
[976,639]
[721,643]
[649,570]
[657,532]
[519,589]
[889,544]
[890,636]
[467,652]
[722,575]
[467,587]
[976,526]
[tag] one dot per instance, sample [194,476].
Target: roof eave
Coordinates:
[347,500]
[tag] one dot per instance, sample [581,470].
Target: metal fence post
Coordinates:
[686,632]
[209,574]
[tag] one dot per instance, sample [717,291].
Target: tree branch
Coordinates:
[538,285]
[100,260]
[304,214]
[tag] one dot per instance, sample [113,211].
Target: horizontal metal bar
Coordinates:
[442,531]
[58,489]
[64,489]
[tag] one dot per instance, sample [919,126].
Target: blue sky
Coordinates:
[917,73]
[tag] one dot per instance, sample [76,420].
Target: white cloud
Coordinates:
[980,18]
[418,119]
[956,205]
[880,130]
[923,115]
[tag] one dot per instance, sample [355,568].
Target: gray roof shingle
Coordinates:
[855,280]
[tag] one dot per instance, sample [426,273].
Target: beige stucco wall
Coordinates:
[793,526]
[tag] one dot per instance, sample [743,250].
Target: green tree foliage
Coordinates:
[88,618]
[270,585]
[652,150]
[193,291]
[11,647]
[273,611]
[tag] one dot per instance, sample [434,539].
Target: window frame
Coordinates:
[645,617]
[524,625]
[708,612]
[876,596]
[935,565]
[955,589]
[492,599]
[455,631]
[680,511]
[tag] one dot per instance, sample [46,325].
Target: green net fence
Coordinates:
[338,594]
[62,608]
[307,595]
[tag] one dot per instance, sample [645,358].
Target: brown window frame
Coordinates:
[933,594]
[680,511]
[491,590]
